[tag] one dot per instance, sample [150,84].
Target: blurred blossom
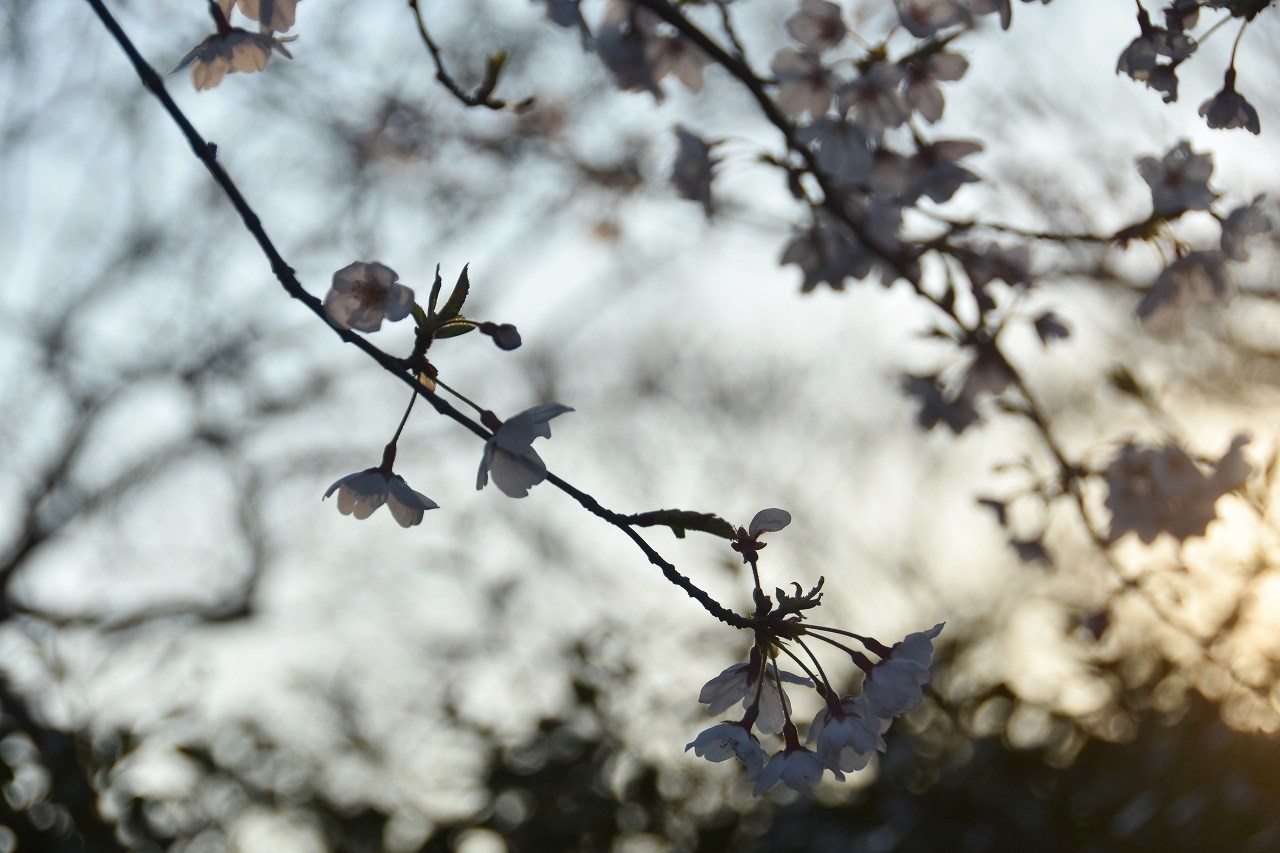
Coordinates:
[921,91]
[676,56]
[1140,60]
[818,25]
[741,683]
[1154,490]
[935,406]
[1193,279]
[692,172]
[842,150]
[505,335]
[1229,109]
[924,18]
[827,253]
[804,83]
[729,740]
[874,99]
[568,14]
[622,43]
[987,7]
[935,171]
[1179,181]
[362,295]
[227,52]
[272,15]
[1243,222]
[361,493]
[509,453]
[796,767]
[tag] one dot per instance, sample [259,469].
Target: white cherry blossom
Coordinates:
[796,767]
[895,685]
[735,684]
[361,493]
[729,740]
[509,455]
[362,295]
[848,735]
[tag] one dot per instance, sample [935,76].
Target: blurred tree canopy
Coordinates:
[1026,388]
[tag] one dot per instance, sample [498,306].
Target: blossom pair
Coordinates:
[508,456]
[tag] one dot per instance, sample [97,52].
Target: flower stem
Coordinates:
[480,410]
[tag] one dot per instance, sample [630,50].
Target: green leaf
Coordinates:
[453,328]
[453,307]
[435,293]
[681,520]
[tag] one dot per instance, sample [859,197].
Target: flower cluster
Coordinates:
[848,730]
[1154,56]
[361,297]
[1179,183]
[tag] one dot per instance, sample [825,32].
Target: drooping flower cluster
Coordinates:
[848,730]
[1155,55]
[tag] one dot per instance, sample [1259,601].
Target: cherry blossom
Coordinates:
[1154,490]
[921,91]
[1229,109]
[362,295]
[874,99]
[768,521]
[1179,181]
[692,172]
[622,43]
[796,767]
[986,7]
[729,740]
[804,83]
[1242,223]
[826,252]
[818,25]
[272,15]
[842,150]
[1194,278]
[924,18]
[895,685]
[741,683]
[361,493]
[676,56]
[227,51]
[509,453]
[848,733]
